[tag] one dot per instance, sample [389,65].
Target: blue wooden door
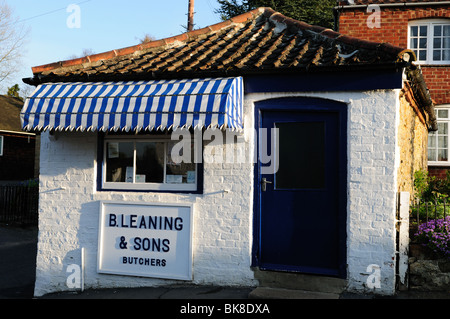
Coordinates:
[301,204]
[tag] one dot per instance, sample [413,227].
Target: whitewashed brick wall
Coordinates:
[373,161]
[69,218]
[223,229]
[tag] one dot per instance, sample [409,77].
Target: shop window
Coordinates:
[140,162]
[438,146]
[430,41]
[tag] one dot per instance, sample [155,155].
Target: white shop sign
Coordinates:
[149,240]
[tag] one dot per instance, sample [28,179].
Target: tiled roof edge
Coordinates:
[154,44]
[365,44]
[277,18]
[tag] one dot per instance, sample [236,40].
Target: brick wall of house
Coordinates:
[394,29]
[439,172]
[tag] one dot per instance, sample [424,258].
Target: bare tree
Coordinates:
[12,38]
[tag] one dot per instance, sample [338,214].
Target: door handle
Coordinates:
[264,182]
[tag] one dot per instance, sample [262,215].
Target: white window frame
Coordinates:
[169,187]
[430,23]
[432,135]
[2,141]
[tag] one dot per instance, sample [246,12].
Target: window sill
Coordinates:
[167,188]
[438,164]
[428,64]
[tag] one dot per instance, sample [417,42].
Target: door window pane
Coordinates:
[301,156]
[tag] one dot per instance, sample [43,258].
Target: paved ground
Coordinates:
[18,264]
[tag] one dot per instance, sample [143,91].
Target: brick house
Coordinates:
[335,110]
[424,27]
[17,148]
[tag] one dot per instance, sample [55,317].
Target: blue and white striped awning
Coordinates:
[144,105]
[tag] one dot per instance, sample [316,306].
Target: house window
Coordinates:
[430,41]
[140,162]
[438,146]
[1,145]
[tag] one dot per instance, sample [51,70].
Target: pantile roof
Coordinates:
[259,41]
[367,2]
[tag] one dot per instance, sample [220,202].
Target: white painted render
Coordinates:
[69,204]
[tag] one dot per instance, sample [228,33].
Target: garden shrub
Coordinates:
[435,234]
[432,193]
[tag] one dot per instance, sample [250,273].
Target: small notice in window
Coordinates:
[129,174]
[140,178]
[174,179]
[191,177]
[113,150]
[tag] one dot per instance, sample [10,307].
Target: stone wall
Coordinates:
[426,272]
[413,141]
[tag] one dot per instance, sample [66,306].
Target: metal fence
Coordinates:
[430,228]
[19,204]
[424,212]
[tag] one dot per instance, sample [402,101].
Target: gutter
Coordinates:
[402,4]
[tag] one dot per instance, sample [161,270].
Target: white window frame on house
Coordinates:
[430,43]
[2,139]
[135,184]
[438,142]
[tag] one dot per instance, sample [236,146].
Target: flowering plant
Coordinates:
[435,234]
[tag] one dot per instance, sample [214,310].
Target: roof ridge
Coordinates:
[278,21]
[331,34]
[156,43]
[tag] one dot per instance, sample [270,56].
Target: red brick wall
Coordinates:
[439,172]
[394,29]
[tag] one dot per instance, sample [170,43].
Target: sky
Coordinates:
[58,31]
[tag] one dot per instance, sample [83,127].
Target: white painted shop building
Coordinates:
[313,119]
